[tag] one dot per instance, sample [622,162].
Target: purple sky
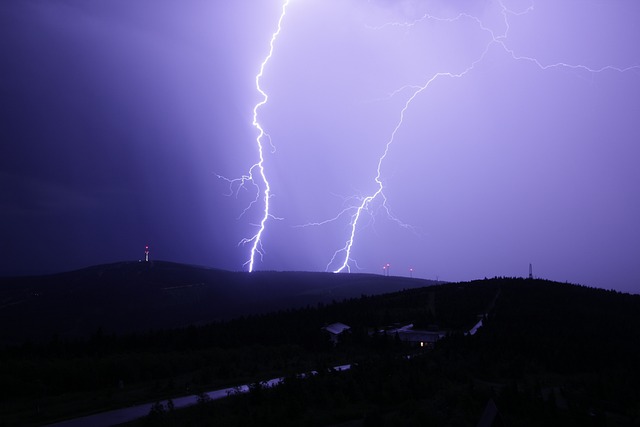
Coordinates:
[116,118]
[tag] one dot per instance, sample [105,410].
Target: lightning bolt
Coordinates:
[342,259]
[345,252]
[258,168]
[366,201]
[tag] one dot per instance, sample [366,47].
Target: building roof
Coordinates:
[336,328]
[407,333]
[418,336]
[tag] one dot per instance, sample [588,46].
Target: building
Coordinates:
[416,337]
[335,330]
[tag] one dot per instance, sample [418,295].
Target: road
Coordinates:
[119,416]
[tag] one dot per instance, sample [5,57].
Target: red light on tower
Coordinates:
[146,253]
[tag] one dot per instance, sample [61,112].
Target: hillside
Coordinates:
[131,297]
[547,354]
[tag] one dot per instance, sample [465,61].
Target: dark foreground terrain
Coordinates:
[547,354]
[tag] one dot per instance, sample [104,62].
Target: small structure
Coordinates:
[335,330]
[417,337]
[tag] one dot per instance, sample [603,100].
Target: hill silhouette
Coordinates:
[128,297]
[547,353]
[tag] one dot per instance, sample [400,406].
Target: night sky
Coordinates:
[519,141]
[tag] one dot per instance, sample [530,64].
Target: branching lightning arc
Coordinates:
[342,259]
[261,180]
[498,40]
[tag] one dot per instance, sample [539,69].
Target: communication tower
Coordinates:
[530,271]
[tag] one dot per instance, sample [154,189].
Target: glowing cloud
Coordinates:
[495,39]
[495,42]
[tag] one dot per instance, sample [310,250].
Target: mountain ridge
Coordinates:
[132,296]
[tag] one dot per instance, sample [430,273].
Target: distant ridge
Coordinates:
[134,296]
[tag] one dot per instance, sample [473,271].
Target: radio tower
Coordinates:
[530,271]
[146,253]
